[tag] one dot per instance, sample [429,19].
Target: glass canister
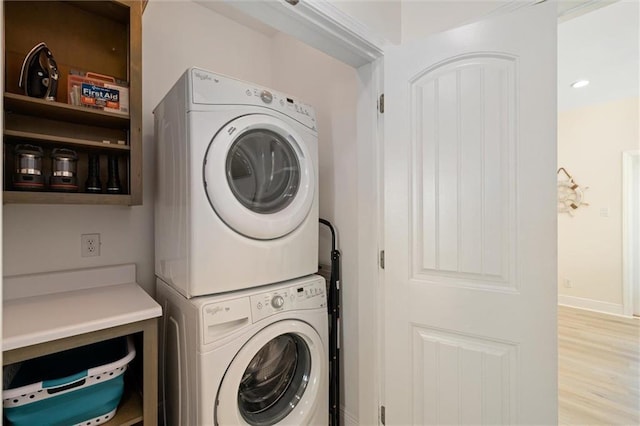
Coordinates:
[64,163]
[27,175]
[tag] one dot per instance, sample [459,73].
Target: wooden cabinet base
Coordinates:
[129,411]
[26,197]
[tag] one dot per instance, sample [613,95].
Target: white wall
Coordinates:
[331,87]
[47,238]
[401,21]
[382,16]
[421,18]
[590,145]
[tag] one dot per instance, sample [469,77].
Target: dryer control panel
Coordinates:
[311,295]
[215,89]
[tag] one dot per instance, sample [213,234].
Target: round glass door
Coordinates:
[259,176]
[274,380]
[263,171]
[278,376]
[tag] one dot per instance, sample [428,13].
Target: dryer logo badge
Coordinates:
[202,76]
[231,130]
[217,309]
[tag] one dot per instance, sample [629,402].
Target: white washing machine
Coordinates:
[237,186]
[253,357]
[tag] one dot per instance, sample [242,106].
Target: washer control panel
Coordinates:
[277,301]
[311,295]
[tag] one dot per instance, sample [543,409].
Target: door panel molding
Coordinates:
[463,370]
[464,145]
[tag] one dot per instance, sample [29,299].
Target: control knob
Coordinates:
[277,302]
[266,97]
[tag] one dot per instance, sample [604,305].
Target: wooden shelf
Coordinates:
[113,10]
[58,111]
[129,411]
[27,197]
[60,140]
[105,38]
[82,307]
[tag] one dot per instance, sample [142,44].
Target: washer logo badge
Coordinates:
[217,309]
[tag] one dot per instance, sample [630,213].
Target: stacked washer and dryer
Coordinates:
[244,334]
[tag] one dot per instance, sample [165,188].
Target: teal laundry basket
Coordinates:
[80,386]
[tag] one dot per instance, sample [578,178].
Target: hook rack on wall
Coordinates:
[570,194]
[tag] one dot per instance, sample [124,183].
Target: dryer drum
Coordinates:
[263,171]
[274,380]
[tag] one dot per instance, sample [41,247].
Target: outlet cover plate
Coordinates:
[89,245]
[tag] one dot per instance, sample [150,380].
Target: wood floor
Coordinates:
[598,368]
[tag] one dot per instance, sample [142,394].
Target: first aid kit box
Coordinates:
[98,91]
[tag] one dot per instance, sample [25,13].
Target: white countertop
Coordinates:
[44,307]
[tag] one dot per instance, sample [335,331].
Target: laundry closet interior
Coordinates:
[244,48]
[218,38]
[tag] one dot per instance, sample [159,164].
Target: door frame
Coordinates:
[628,290]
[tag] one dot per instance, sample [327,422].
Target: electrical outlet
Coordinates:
[90,245]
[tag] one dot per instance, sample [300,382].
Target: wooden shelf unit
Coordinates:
[63,112]
[97,36]
[133,408]
[62,141]
[25,197]
[129,411]
[81,307]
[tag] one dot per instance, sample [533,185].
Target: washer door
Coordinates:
[259,176]
[274,378]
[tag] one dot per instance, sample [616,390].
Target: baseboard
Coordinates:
[591,305]
[347,418]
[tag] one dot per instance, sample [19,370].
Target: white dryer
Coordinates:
[237,186]
[255,357]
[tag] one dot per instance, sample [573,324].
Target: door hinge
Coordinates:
[382,259]
[382,415]
[381,104]
[292,2]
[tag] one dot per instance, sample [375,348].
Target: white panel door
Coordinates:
[470,224]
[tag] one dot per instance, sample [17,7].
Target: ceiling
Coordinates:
[603,47]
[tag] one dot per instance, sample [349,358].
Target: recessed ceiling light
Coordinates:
[580,83]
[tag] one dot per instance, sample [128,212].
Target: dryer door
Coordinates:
[259,176]
[279,375]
